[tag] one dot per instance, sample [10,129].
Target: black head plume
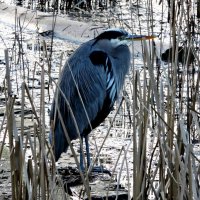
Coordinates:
[111,34]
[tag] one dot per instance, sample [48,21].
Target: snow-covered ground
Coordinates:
[68,35]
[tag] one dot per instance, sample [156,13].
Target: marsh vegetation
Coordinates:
[150,142]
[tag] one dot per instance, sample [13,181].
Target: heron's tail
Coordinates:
[58,142]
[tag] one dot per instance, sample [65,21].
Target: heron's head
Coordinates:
[119,37]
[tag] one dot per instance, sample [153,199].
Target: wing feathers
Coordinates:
[90,88]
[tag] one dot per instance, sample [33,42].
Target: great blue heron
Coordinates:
[88,87]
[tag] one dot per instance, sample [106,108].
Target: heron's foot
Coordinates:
[96,169]
[100,169]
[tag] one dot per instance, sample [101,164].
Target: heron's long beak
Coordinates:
[140,37]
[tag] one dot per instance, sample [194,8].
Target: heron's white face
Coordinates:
[117,42]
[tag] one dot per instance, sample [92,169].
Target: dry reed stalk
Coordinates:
[35,178]
[113,171]
[9,114]
[42,138]
[5,133]
[22,109]
[135,163]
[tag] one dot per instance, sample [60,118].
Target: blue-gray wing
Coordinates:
[84,84]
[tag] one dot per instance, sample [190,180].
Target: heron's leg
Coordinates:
[87,150]
[98,169]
